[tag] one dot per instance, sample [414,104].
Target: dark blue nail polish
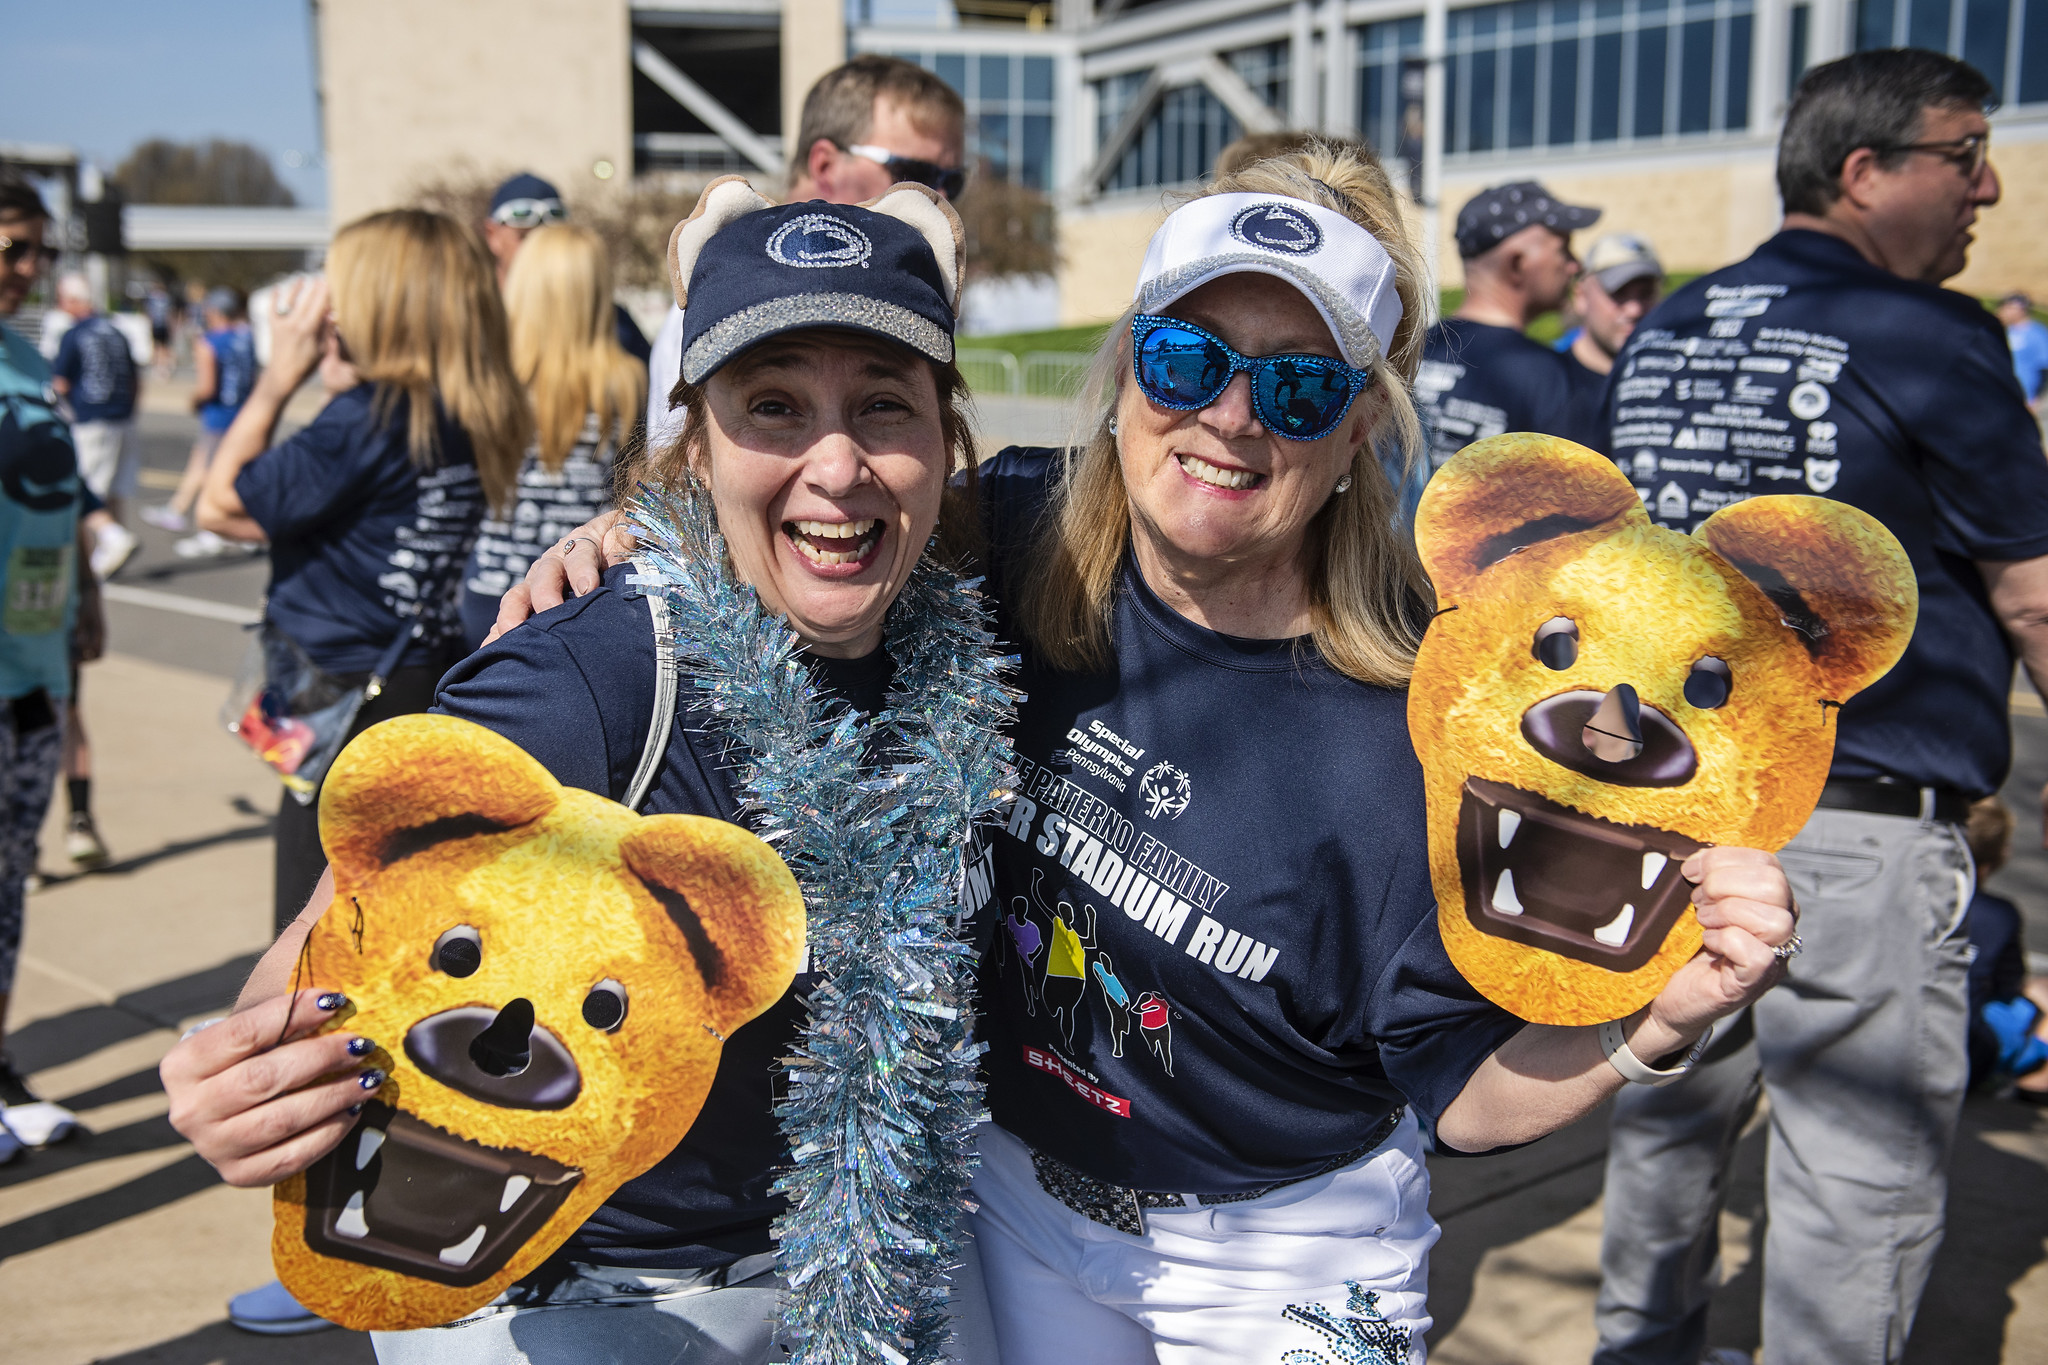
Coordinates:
[370,1078]
[355,1109]
[331,1000]
[360,1047]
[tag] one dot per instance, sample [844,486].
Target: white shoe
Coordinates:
[111,549]
[165,519]
[82,842]
[36,1122]
[271,1311]
[201,545]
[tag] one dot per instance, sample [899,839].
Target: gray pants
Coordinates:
[1861,1051]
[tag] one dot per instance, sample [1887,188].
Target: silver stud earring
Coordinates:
[1112,425]
[1344,484]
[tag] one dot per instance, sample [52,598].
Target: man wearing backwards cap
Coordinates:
[1480,375]
[1622,280]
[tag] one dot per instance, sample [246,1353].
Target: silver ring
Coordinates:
[571,542]
[1789,949]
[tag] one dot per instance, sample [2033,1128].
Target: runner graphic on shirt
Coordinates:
[1065,983]
[1119,999]
[1155,1026]
[1028,939]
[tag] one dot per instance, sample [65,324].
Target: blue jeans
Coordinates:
[1861,1052]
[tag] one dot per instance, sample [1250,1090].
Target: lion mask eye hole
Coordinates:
[1557,643]
[459,952]
[605,1007]
[1709,683]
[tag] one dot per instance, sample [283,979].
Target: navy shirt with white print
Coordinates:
[1213,956]
[1805,369]
[362,538]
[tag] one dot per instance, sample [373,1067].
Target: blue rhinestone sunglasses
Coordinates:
[1182,366]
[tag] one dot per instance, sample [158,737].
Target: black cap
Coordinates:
[1493,215]
[814,265]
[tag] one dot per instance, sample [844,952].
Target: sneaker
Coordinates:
[200,545]
[82,841]
[111,549]
[272,1312]
[10,1147]
[35,1121]
[164,518]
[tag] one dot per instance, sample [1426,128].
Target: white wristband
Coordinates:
[1614,1043]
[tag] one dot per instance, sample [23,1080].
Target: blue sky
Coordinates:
[103,75]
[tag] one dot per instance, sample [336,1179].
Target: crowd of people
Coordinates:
[1247,1176]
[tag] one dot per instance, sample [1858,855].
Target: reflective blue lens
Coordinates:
[1181,367]
[1298,398]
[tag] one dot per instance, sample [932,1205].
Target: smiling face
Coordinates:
[827,460]
[1213,491]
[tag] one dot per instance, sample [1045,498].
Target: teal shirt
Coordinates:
[38,527]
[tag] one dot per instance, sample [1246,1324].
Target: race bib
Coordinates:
[38,586]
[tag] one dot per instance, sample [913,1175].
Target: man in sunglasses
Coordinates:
[1480,374]
[524,203]
[866,125]
[1831,362]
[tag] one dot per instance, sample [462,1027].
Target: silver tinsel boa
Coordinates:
[873,819]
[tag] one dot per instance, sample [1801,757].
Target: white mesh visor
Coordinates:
[1338,265]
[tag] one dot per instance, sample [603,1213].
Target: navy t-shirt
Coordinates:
[1587,423]
[94,359]
[1215,961]
[362,539]
[1477,380]
[1805,369]
[574,687]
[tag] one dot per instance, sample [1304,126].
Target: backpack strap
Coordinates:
[662,725]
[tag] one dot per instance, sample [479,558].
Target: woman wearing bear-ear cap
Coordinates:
[826,417]
[1218,620]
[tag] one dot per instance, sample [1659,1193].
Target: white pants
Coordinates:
[109,457]
[1330,1271]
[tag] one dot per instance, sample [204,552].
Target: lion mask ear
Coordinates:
[735,903]
[723,200]
[1840,579]
[415,781]
[1508,492]
[925,209]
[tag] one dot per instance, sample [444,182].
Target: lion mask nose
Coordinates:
[501,1057]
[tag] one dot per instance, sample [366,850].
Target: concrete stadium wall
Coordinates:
[415,91]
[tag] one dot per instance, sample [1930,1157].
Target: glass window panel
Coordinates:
[1038,74]
[1647,8]
[1522,97]
[1036,169]
[1607,9]
[1928,26]
[1484,21]
[1606,114]
[1650,84]
[1873,24]
[1984,31]
[995,79]
[1484,89]
[992,142]
[1736,107]
[2034,53]
[1696,76]
[1523,15]
[951,68]
[1375,120]
[1564,92]
[1454,104]
[1795,64]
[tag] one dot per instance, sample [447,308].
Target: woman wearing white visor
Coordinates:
[1211,1078]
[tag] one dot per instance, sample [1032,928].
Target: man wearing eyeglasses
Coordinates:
[524,203]
[1831,362]
[866,125]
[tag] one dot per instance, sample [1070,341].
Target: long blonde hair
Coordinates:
[415,296]
[1364,580]
[565,347]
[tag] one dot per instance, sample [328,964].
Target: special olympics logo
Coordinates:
[1166,790]
[1275,227]
[818,241]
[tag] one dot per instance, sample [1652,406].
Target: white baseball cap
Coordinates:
[1341,268]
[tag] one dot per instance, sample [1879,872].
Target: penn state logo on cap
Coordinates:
[1275,227]
[820,241]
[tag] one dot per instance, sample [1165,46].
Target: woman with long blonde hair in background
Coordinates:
[370,511]
[586,392]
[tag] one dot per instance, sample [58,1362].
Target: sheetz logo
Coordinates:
[819,241]
[1275,227]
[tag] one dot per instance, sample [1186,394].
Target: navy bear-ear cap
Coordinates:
[808,265]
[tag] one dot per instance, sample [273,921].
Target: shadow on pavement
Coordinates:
[81,1032]
[144,1135]
[176,849]
[1997,1207]
[163,1186]
[219,1344]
